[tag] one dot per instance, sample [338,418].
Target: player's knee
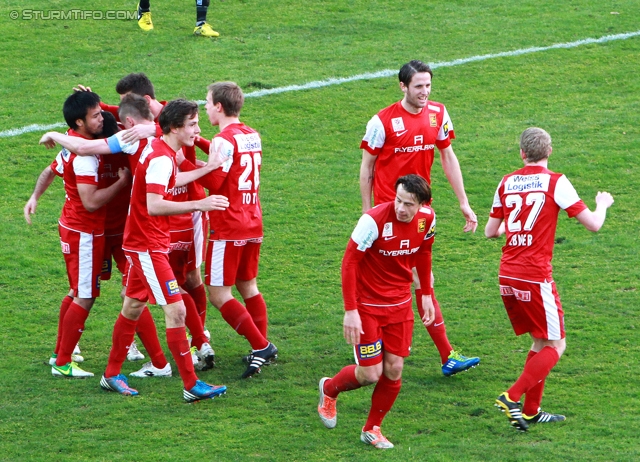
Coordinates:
[369,375]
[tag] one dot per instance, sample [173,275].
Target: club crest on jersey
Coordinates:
[398,124]
[370,350]
[422,224]
[387,230]
[433,120]
[66,248]
[172,287]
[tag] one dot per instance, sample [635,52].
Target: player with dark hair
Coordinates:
[236,234]
[203,28]
[81,227]
[526,207]
[400,140]
[388,241]
[146,244]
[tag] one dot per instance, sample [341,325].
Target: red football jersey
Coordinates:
[376,269]
[155,173]
[239,180]
[76,170]
[118,207]
[529,200]
[404,143]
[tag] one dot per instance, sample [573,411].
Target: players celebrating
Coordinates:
[529,200]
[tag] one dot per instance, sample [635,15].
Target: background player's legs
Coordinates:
[193,321]
[144,15]
[202,27]
[236,315]
[452,361]
[437,329]
[195,287]
[255,304]
[146,330]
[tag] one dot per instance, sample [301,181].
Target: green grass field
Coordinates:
[586,96]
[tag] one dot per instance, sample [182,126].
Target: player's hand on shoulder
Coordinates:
[138,132]
[81,88]
[604,198]
[470,217]
[213,202]
[216,158]
[47,140]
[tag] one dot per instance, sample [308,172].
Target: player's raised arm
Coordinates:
[593,221]
[75,144]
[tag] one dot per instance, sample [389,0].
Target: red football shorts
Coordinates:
[228,261]
[533,307]
[83,258]
[384,329]
[113,252]
[151,278]
[181,256]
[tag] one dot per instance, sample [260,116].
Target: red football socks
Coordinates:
[123,332]
[344,380]
[199,295]
[257,308]
[179,346]
[72,328]
[194,322]
[535,371]
[146,330]
[64,306]
[437,329]
[533,397]
[240,320]
[382,399]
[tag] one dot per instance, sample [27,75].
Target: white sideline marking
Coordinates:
[371,75]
